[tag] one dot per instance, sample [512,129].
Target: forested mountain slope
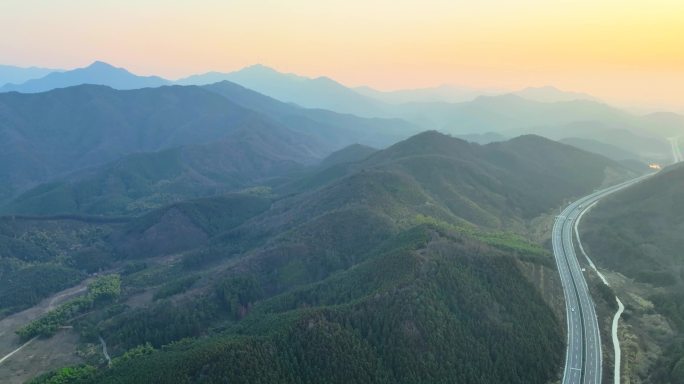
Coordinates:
[421,310]
[638,232]
[47,135]
[254,155]
[373,273]
[341,128]
[492,185]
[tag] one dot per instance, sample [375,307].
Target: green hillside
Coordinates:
[251,156]
[45,136]
[409,265]
[48,134]
[646,221]
[349,154]
[39,257]
[494,185]
[423,312]
[327,125]
[638,233]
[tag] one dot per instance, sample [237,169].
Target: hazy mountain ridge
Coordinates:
[550,94]
[457,94]
[442,93]
[344,129]
[253,155]
[97,73]
[594,146]
[16,75]
[539,110]
[530,110]
[543,110]
[50,134]
[321,92]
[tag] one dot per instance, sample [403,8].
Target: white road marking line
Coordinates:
[7,356]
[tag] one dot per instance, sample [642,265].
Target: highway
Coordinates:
[583,359]
[676,149]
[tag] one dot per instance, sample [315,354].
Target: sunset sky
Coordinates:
[628,52]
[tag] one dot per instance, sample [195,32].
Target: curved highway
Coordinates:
[583,360]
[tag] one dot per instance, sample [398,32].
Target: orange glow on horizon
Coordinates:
[629,51]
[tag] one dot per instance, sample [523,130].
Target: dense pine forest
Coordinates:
[341,192]
[410,264]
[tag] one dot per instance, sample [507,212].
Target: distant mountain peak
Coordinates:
[100,64]
[256,67]
[550,93]
[100,67]
[319,93]
[259,66]
[530,138]
[430,135]
[426,143]
[261,69]
[98,72]
[325,78]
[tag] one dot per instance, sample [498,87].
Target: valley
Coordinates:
[22,360]
[252,225]
[220,266]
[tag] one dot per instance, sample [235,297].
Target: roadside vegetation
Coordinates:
[101,291]
[638,233]
[409,265]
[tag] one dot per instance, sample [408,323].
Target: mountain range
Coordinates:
[318,93]
[585,121]
[52,134]
[442,93]
[451,109]
[257,226]
[98,73]
[550,94]
[456,94]
[17,75]
[381,259]
[545,111]
[321,92]
[255,154]
[331,125]
[48,134]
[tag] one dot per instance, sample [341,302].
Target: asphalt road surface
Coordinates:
[583,360]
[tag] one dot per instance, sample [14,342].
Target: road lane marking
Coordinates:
[572,277]
[7,356]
